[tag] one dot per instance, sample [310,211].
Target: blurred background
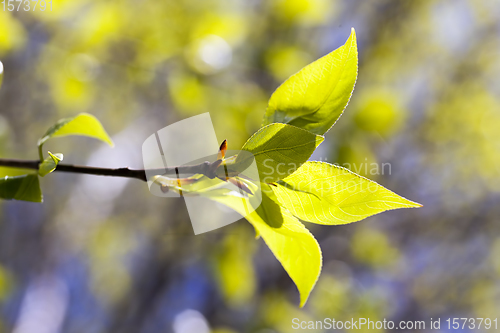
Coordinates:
[104,255]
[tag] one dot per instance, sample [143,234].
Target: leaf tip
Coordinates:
[303,301]
[352,38]
[353,34]
[304,295]
[413,204]
[108,140]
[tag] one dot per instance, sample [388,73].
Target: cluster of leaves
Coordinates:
[27,187]
[299,113]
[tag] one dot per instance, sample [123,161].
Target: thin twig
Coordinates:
[202,168]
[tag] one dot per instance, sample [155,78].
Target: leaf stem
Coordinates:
[40,151]
[202,168]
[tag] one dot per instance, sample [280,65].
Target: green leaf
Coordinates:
[83,124]
[322,193]
[291,243]
[278,149]
[49,164]
[315,97]
[25,187]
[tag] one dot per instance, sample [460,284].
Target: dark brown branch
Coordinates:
[202,168]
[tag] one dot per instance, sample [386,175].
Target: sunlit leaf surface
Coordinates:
[291,243]
[83,124]
[328,194]
[315,97]
[279,149]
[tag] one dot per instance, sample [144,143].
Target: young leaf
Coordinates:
[49,164]
[25,187]
[222,150]
[291,243]
[278,149]
[83,124]
[328,194]
[315,97]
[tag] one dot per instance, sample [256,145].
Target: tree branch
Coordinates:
[202,168]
